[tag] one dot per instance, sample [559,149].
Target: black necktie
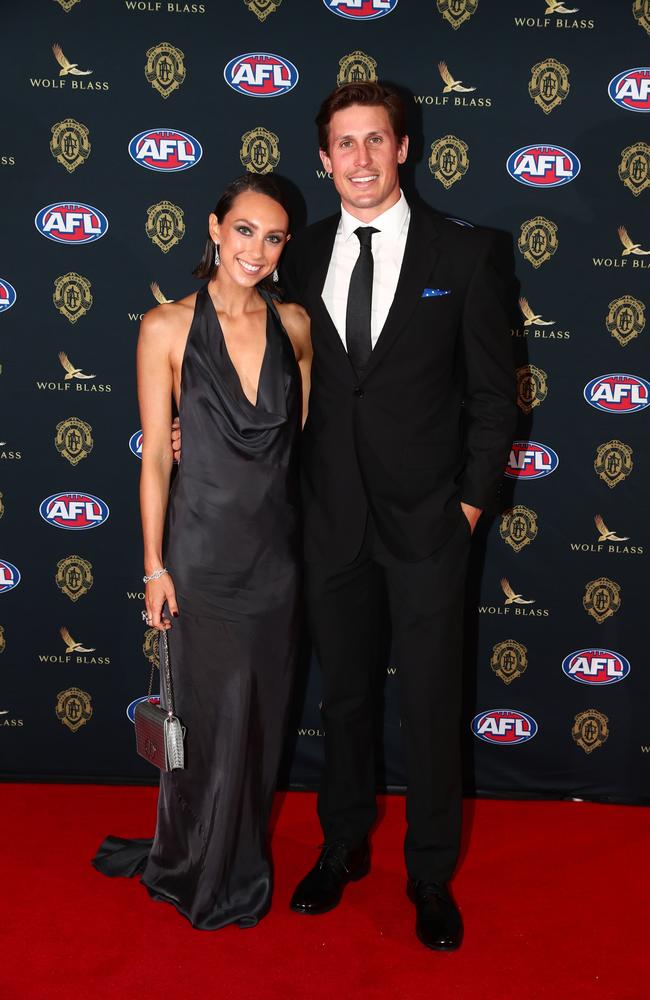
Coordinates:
[357,316]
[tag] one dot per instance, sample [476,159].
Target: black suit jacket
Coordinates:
[430,421]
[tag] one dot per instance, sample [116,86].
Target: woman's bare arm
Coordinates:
[155,381]
[296,322]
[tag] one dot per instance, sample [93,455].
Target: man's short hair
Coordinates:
[372,94]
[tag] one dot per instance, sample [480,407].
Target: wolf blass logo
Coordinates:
[534,325]
[74,380]
[9,456]
[515,604]
[155,6]
[75,652]
[636,251]
[551,17]
[6,720]
[69,75]
[607,541]
[455,93]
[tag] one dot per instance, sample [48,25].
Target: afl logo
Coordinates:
[631,89]
[543,166]
[531,460]
[361,10]
[9,576]
[506,726]
[7,295]
[131,707]
[135,444]
[617,393]
[71,222]
[596,666]
[261,74]
[74,511]
[166,150]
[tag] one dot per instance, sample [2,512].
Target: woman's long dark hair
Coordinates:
[259,184]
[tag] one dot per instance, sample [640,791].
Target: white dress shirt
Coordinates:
[388,252]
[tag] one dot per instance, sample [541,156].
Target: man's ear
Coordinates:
[403,149]
[325,160]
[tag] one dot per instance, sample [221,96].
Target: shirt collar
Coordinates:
[390,223]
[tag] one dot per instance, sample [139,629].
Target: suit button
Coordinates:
[358,391]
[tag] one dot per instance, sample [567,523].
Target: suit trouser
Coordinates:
[425,601]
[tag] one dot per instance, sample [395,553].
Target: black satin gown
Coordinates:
[232,548]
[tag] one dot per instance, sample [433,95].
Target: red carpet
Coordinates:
[554,897]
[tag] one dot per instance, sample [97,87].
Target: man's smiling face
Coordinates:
[363,156]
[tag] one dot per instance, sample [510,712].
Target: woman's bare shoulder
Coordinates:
[168,320]
[295,319]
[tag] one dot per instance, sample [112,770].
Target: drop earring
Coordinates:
[217,258]
[276,276]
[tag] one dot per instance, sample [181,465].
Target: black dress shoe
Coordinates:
[322,887]
[438,923]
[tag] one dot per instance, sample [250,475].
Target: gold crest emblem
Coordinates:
[532,387]
[260,151]
[150,646]
[165,69]
[71,645]
[518,527]
[2,506]
[70,143]
[590,729]
[634,168]
[73,439]
[549,84]
[641,13]
[456,12]
[448,161]
[356,67]
[72,295]
[538,240]
[73,708]
[625,318]
[509,660]
[262,8]
[3,642]
[602,598]
[165,226]
[613,462]
[67,5]
[74,576]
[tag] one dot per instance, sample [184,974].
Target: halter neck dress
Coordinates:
[233,551]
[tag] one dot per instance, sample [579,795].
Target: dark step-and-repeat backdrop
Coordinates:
[122,121]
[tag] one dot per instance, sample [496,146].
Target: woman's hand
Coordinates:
[176,439]
[156,592]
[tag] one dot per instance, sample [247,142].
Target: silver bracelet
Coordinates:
[154,576]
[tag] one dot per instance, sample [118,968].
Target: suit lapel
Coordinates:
[420,256]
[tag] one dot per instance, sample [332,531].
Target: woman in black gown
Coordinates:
[233,359]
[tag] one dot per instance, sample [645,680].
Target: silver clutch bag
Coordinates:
[159,734]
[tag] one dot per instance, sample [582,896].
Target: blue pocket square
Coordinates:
[428,293]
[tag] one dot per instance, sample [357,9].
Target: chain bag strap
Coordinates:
[158,731]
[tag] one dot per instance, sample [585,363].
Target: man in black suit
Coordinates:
[411,416]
